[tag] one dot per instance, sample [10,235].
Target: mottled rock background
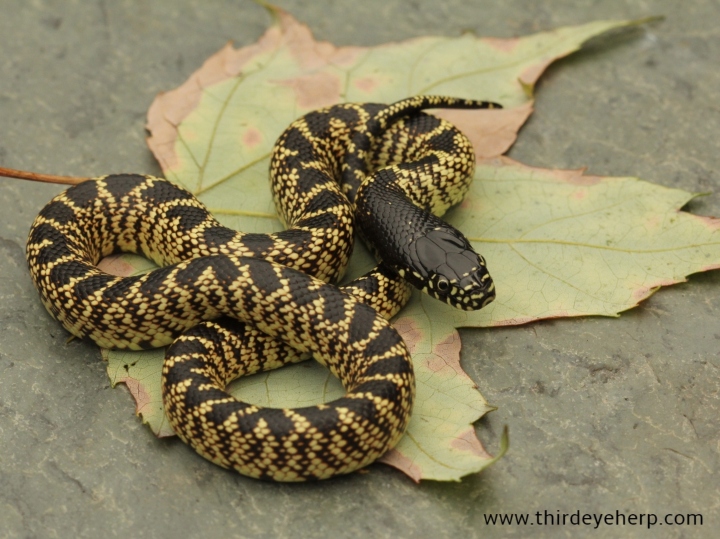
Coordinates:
[605,415]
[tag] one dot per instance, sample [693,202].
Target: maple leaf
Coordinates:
[558,243]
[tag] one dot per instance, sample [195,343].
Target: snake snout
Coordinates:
[475,290]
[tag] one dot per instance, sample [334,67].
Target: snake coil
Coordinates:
[237,303]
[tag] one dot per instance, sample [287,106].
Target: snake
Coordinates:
[231,303]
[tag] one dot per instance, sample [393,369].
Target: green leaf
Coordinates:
[141,372]
[558,244]
[214,134]
[566,244]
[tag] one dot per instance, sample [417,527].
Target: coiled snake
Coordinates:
[277,283]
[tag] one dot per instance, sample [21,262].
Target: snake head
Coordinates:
[451,270]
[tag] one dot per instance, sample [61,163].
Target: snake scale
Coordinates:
[238,303]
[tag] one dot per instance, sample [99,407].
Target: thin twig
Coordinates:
[36,177]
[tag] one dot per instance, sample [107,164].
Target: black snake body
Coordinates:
[276,282]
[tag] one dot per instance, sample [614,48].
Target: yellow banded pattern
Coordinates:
[276,283]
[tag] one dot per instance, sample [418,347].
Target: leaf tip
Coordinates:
[528,88]
[504,444]
[647,20]
[274,11]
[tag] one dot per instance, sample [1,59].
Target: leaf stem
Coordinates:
[37,177]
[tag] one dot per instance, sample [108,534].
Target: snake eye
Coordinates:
[443,285]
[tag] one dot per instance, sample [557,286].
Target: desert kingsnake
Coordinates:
[209,271]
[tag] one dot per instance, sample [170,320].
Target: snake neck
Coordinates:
[430,254]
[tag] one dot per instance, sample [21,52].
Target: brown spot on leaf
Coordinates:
[366,84]
[491,132]
[251,137]
[644,292]
[169,109]
[520,320]
[578,177]
[713,223]
[138,392]
[144,405]
[315,91]
[311,54]
[503,45]
[399,461]
[468,442]
[530,76]
[409,331]
[447,354]
[115,265]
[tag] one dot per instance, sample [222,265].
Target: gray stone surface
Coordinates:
[604,414]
